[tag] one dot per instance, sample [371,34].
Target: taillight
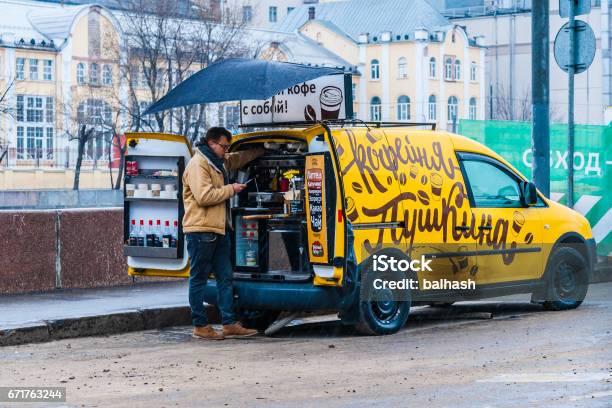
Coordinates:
[339,215]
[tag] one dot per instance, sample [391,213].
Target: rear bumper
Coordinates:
[279,296]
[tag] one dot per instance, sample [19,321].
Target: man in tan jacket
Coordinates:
[206,194]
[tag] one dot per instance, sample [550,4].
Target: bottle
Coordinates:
[141,234]
[158,235]
[133,238]
[174,235]
[167,237]
[150,235]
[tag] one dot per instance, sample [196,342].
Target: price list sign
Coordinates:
[315,208]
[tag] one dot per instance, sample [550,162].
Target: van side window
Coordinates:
[491,187]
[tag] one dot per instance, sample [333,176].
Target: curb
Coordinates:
[101,325]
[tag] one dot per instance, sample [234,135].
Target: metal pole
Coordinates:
[540,134]
[570,105]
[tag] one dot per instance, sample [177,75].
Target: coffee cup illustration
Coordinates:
[436,186]
[518,220]
[351,209]
[414,171]
[331,101]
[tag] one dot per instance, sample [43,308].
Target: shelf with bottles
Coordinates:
[152,191]
[152,240]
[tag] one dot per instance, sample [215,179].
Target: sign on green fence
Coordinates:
[592,165]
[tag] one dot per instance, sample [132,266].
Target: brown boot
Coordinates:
[206,333]
[236,330]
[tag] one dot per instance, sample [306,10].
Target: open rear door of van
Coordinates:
[326,231]
[154,243]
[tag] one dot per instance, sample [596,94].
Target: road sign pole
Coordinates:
[540,133]
[570,105]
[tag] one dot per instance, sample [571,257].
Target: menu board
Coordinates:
[315,208]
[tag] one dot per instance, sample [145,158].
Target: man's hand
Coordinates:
[238,187]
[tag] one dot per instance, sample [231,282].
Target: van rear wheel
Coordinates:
[380,311]
[567,279]
[382,317]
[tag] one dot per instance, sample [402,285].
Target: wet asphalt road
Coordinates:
[457,357]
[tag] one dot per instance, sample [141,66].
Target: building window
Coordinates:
[98,115]
[107,74]
[374,69]
[33,69]
[50,133]
[134,79]
[448,68]
[144,83]
[375,109]
[354,92]
[403,108]
[93,74]
[20,144]
[34,142]
[432,107]
[247,14]
[473,71]
[273,14]
[49,110]
[229,117]
[20,108]
[34,109]
[290,9]
[457,70]
[147,121]
[80,73]
[473,108]
[452,110]
[402,68]
[35,117]
[432,67]
[20,71]
[48,70]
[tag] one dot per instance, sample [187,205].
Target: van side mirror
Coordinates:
[530,194]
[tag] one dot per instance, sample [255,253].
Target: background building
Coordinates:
[413,64]
[506,28]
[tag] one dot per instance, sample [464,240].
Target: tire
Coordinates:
[567,279]
[381,317]
[260,320]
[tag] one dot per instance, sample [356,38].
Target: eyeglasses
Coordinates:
[223,146]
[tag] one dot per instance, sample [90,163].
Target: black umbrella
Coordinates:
[238,79]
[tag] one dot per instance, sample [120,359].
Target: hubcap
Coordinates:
[385,309]
[566,283]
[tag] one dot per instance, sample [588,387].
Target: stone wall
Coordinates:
[61,249]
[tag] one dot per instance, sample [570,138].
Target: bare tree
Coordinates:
[83,136]
[5,109]
[163,46]
[518,108]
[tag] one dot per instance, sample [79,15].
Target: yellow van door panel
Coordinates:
[512,249]
[372,194]
[509,234]
[434,203]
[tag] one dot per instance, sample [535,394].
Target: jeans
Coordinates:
[210,252]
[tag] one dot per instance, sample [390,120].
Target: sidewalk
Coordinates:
[88,312]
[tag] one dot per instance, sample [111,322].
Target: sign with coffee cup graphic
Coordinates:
[324,98]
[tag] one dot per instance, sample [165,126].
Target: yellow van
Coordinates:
[331,203]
